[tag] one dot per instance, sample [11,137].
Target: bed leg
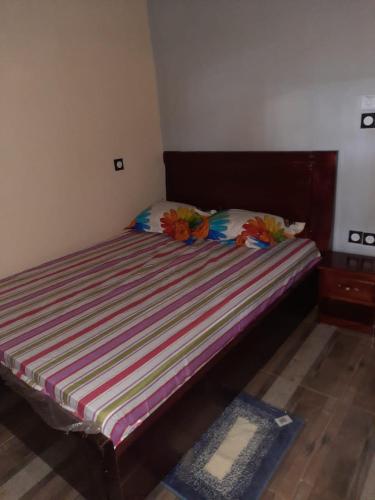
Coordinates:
[102,469]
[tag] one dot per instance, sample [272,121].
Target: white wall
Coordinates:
[273,74]
[77,89]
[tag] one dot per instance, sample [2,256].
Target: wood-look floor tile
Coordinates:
[161,493]
[316,411]
[303,491]
[270,495]
[289,348]
[52,486]
[5,435]
[14,456]
[368,491]
[291,377]
[341,461]
[260,384]
[363,467]
[335,367]
[21,482]
[280,392]
[363,382]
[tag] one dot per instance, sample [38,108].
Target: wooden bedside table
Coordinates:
[347,291]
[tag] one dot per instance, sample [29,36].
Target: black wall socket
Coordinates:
[118,163]
[368,120]
[355,237]
[369,239]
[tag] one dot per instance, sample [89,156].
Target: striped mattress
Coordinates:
[112,331]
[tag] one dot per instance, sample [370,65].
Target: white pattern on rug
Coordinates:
[237,439]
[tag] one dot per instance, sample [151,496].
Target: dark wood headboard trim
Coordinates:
[323,197]
[298,185]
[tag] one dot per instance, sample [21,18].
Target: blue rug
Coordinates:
[237,456]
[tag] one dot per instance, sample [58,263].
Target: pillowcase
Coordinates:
[180,221]
[253,229]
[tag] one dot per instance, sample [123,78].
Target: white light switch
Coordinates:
[368,102]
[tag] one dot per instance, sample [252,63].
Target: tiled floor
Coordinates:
[323,374]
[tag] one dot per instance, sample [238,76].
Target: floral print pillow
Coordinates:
[180,221]
[251,229]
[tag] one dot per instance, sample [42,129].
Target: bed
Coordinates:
[113,336]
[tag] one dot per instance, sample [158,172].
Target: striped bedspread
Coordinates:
[112,331]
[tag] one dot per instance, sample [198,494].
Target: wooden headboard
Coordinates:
[298,185]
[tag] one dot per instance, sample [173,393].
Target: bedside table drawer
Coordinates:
[343,287]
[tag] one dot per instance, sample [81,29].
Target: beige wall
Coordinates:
[76,90]
[273,74]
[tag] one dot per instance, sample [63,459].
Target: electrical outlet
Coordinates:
[119,164]
[368,120]
[369,239]
[355,237]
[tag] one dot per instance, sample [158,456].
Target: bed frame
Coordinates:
[297,185]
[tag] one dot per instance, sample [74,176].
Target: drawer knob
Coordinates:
[347,288]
